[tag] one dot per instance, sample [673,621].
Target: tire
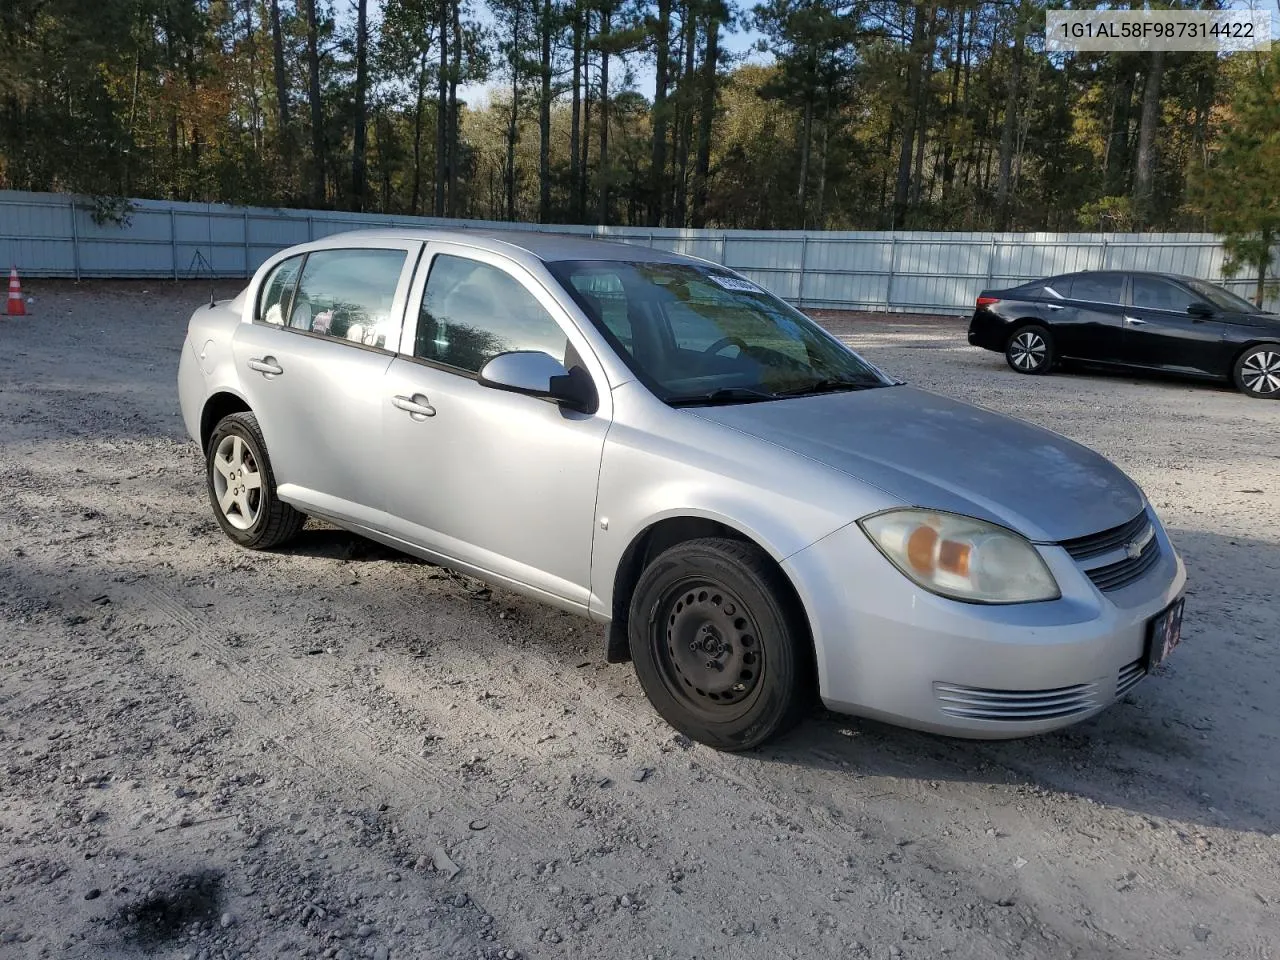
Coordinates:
[1030,349]
[242,487]
[720,645]
[1257,372]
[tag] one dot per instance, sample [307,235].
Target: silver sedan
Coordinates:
[758,516]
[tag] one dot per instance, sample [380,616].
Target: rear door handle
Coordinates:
[1053,306]
[266,366]
[1134,320]
[416,406]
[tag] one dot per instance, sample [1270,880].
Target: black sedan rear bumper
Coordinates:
[988,331]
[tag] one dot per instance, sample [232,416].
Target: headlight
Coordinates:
[962,558]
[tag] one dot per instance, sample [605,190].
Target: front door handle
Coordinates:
[266,366]
[1133,320]
[416,406]
[1053,306]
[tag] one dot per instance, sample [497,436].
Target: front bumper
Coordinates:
[890,650]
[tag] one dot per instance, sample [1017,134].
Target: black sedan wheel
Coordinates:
[719,645]
[1030,350]
[1257,372]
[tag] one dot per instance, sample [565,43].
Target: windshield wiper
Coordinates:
[826,385]
[719,396]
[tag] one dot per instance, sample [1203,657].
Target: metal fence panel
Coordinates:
[55,235]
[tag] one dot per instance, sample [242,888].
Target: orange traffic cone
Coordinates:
[17,305]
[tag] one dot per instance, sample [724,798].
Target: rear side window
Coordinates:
[277,293]
[1097,287]
[473,311]
[348,294]
[1157,294]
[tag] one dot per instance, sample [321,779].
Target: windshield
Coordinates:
[1220,298]
[695,334]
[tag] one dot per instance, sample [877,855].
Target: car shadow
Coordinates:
[1195,742]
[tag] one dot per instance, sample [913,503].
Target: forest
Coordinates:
[846,114]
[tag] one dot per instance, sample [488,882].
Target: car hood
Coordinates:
[934,452]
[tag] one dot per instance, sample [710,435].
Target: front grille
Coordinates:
[1130,674]
[1096,544]
[976,703]
[1125,570]
[1113,576]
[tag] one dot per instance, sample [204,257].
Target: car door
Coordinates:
[312,362]
[1160,333]
[1088,323]
[497,482]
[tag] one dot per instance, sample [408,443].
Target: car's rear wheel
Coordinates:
[242,487]
[1257,372]
[720,645]
[1030,350]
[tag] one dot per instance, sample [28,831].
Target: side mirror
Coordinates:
[537,374]
[1199,310]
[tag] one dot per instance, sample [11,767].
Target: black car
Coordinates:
[1153,321]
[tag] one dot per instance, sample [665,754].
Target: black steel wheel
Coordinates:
[1030,350]
[719,644]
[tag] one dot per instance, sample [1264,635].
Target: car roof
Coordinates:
[546,246]
[1134,273]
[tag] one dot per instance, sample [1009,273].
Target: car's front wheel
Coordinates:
[720,645]
[1030,350]
[242,487]
[1257,372]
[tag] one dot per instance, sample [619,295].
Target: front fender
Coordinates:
[688,467]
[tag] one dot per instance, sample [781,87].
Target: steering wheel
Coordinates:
[727,342]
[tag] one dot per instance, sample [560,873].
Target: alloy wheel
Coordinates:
[1261,372]
[237,482]
[1028,350]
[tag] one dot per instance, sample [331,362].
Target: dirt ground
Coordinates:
[337,751]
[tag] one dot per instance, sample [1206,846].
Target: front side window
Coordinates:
[473,311]
[1097,287]
[697,334]
[1220,298]
[1157,294]
[348,295]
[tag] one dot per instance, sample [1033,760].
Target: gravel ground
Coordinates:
[338,751]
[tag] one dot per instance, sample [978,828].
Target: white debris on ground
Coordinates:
[337,751]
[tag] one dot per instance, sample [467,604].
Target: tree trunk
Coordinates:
[820,213]
[690,40]
[575,122]
[806,146]
[283,134]
[706,116]
[452,154]
[359,132]
[544,119]
[442,113]
[914,65]
[420,95]
[606,15]
[317,106]
[1144,174]
[1266,240]
[1010,128]
[513,121]
[251,48]
[953,109]
[922,107]
[658,167]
